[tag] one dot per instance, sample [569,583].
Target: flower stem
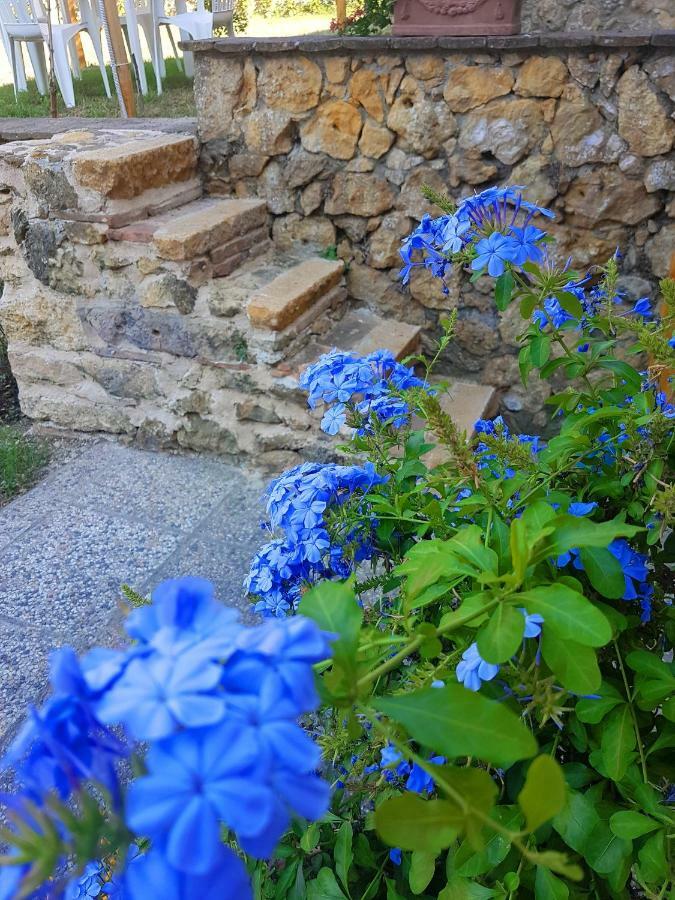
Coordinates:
[629,699]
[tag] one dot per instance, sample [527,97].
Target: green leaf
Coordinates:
[333,606]
[520,549]
[568,613]
[575,665]
[422,868]
[605,851]
[570,303]
[459,888]
[310,838]
[457,722]
[618,740]
[592,710]
[503,290]
[645,663]
[496,847]
[468,546]
[629,825]
[576,822]
[548,887]
[479,791]
[604,571]
[544,793]
[343,853]
[540,349]
[653,859]
[392,893]
[324,887]
[501,637]
[411,823]
[574,531]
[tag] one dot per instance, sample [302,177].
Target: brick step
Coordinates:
[227,232]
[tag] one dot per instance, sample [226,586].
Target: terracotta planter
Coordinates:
[457,17]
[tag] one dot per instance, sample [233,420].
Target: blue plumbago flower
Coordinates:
[493,252]
[642,308]
[64,744]
[671,342]
[525,243]
[552,314]
[334,418]
[88,884]
[666,408]
[395,856]
[297,503]
[473,670]
[151,875]
[533,623]
[420,781]
[453,234]
[581,509]
[157,695]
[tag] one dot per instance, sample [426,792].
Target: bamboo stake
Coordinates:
[341,9]
[73,15]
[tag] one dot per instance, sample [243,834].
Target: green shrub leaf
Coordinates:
[411,823]
[456,722]
[501,637]
[569,614]
[544,793]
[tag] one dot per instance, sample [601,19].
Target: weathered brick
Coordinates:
[210,224]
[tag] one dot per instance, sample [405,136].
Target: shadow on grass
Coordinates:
[176,100]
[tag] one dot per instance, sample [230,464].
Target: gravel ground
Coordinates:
[107,515]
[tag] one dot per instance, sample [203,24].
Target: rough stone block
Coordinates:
[129,169]
[210,225]
[292,293]
[465,403]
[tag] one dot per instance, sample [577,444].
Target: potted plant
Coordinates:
[461,17]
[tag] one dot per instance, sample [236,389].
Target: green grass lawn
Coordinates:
[176,100]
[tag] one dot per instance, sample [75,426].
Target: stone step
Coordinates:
[362,331]
[291,295]
[126,170]
[465,402]
[209,226]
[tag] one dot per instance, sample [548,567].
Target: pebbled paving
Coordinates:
[107,516]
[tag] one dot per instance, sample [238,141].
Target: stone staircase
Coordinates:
[135,305]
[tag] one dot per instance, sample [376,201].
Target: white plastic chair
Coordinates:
[25,21]
[197,25]
[37,58]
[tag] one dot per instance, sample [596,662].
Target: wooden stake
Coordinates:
[119,53]
[73,15]
[341,9]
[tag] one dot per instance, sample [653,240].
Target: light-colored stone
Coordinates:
[294,228]
[359,195]
[410,201]
[334,129]
[660,175]
[337,68]
[268,131]
[375,139]
[660,249]
[580,134]
[506,128]
[385,243]
[127,170]
[465,402]
[469,168]
[207,227]
[537,173]
[312,197]
[218,84]
[428,290]
[421,124]
[399,337]
[541,76]
[291,83]
[471,86]
[366,88]
[606,193]
[426,67]
[247,165]
[292,293]
[643,122]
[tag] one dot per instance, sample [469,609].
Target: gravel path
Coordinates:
[106,516]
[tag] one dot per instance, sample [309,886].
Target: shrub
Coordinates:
[497,706]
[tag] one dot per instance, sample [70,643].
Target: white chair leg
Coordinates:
[178,59]
[37,58]
[95,37]
[157,57]
[136,55]
[13,62]
[62,69]
[74,59]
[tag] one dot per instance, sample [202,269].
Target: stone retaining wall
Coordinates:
[338,135]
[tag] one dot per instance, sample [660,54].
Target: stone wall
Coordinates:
[596,15]
[338,136]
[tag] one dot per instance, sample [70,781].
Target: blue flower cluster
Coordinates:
[297,504]
[495,225]
[218,704]
[497,428]
[337,379]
